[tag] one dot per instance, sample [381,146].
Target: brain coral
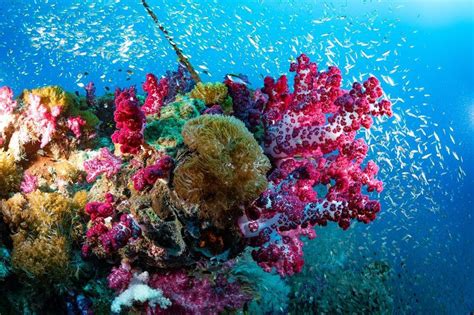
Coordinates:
[224,167]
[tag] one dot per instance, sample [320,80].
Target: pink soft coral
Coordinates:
[105,162]
[157,91]
[146,177]
[310,136]
[198,295]
[44,120]
[130,121]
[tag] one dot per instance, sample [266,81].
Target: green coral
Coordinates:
[91,119]
[227,105]
[164,134]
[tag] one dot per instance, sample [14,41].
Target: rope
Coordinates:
[182,58]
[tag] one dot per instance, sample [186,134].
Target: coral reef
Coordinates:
[157,91]
[53,98]
[311,150]
[200,295]
[180,82]
[41,224]
[138,290]
[104,163]
[200,175]
[149,175]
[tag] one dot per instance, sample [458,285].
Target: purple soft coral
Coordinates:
[105,162]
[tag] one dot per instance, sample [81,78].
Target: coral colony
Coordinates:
[147,209]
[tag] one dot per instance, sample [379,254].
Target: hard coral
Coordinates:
[224,169]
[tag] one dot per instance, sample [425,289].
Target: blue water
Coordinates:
[423,48]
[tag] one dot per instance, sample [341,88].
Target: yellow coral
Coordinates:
[66,171]
[39,212]
[10,174]
[210,93]
[54,96]
[224,169]
[80,199]
[12,210]
[41,223]
[48,211]
[51,96]
[41,256]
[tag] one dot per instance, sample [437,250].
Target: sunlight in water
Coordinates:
[471,114]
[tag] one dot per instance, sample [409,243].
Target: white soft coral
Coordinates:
[139,291]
